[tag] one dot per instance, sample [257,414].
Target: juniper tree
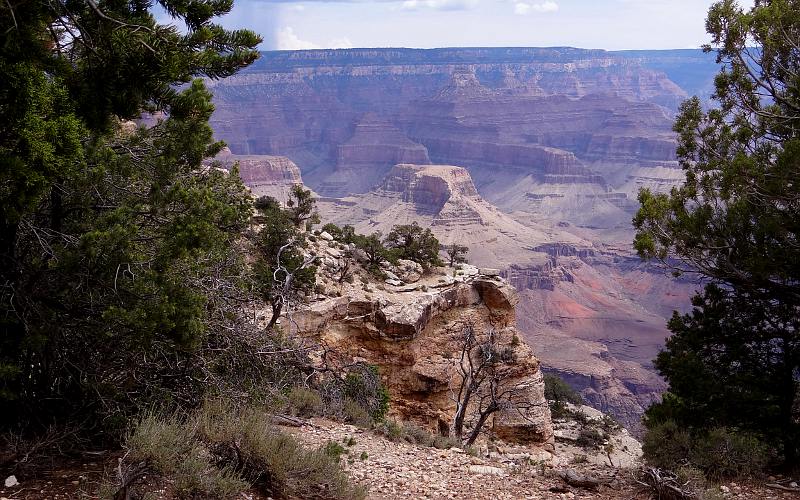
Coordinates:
[116,242]
[734,360]
[412,242]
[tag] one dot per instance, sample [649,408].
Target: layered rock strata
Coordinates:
[560,115]
[265,175]
[415,338]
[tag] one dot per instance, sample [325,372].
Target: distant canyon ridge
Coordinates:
[532,157]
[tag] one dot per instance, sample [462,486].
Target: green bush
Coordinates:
[724,453]
[666,445]
[390,429]
[344,234]
[558,391]
[412,242]
[334,450]
[196,476]
[356,414]
[720,453]
[305,402]
[591,438]
[170,448]
[363,386]
[160,441]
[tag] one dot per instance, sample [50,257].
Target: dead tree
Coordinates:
[482,387]
[284,285]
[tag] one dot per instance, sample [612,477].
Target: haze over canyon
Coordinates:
[531,157]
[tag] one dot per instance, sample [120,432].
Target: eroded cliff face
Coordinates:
[556,142]
[265,175]
[542,118]
[413,333]
[595,314]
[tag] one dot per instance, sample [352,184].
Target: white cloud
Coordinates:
[287,40]
[438,4]
[340,43]
[522,8]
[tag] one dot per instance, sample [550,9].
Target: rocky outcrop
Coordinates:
[430,187]
[265,175]
[537,277]
[414,338]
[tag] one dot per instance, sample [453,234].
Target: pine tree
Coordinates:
[114,238]
[734,360]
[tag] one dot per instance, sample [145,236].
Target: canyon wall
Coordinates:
[539,154]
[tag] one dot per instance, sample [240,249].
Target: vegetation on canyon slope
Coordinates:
[116,245]
[732,363]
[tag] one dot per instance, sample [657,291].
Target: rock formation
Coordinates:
[594,314]
[557,143]
[265,175]
[413,334]
[365,158]
[345,116]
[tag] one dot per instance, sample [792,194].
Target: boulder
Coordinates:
[408,271]
[485,271]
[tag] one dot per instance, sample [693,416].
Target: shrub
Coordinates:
[417,435]
[169,447]
[375,251]
[271,459]
[334,450]
[221,451]
[196,476]
[390,429]
[666,445]
[725,453]
[160,441]
[412,242]
[590,437]
[356,415]
[556,390]
[344,234]
[363,385]
[305,402]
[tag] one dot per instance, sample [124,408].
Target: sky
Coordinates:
[601,24]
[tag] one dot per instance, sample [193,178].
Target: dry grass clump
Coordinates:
[415,434]
[220,451]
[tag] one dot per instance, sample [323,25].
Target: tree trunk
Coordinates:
[461,412]
[277,307]
[476,431]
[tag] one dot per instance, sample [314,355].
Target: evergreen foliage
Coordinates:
[411,242]
[373,248]
[283,273]
[116,254]
[558,391]
[456,254]
[733,361]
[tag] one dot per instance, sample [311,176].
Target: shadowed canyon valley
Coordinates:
[530,157]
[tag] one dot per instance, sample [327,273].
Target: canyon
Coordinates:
[531,157]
